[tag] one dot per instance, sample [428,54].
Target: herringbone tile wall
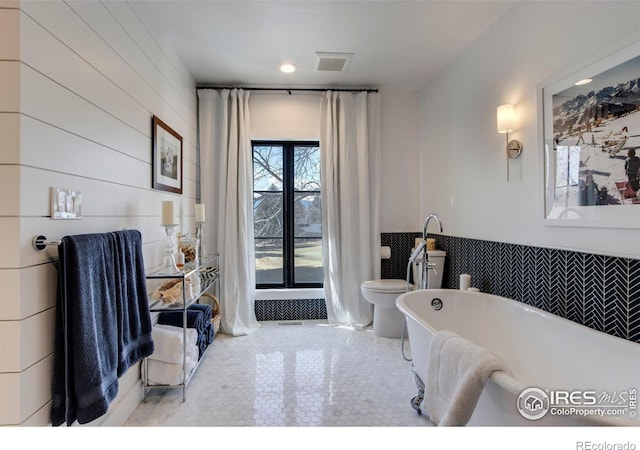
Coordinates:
[291,309]
[601,292]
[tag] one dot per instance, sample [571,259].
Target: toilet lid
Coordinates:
[386,286]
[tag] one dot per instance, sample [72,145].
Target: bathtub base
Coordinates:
[416,401]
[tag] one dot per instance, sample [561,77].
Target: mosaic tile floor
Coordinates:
[307,375]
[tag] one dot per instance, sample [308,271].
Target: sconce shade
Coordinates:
[506,118]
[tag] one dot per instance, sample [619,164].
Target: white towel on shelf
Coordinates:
[171,374]
[457,373]
[167,341]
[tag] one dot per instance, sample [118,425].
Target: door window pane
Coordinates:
[269,261]
[306,163]
[308,215]
[268,172]
[267,214]
[308,261]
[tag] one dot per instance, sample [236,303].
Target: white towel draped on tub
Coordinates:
[458,370]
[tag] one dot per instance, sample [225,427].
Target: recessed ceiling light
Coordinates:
[585,81]
[288,68]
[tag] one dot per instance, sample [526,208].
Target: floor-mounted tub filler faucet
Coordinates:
[421,252]
[426,265]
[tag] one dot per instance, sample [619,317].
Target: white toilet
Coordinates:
[387,318]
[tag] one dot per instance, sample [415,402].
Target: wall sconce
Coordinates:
[506,124]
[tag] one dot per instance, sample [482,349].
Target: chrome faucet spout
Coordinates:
[426,224]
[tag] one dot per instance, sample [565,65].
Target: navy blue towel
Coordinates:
[198,317]
[206,310]
[101,323]
[195,319]
[209,333]
[206,338]
[85,376]
[134,326]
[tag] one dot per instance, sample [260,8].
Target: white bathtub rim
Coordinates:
[525,307]
[502,378]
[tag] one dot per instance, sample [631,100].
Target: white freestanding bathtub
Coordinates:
[588,377]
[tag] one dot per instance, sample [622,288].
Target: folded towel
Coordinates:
[195,319]
[209,333]
[168,342]
[205,339]
[457,372]
[192,333]
[206,310]
[162,373]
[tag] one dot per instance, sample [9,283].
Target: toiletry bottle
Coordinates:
[180,259]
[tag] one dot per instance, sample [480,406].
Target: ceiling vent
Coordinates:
[332,62]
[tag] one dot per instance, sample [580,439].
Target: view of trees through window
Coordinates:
[287,213]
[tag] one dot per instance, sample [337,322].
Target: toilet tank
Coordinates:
[435,278]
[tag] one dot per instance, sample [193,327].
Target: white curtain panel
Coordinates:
[350,158]
[226,186]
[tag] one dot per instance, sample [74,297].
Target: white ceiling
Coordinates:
[396,44]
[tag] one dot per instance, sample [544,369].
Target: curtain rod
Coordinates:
[289,90]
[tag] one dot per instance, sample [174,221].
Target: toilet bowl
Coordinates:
[387,319]
[382,294]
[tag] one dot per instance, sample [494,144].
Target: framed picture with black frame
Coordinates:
[166,158]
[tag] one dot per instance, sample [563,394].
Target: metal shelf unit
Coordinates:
[209,273]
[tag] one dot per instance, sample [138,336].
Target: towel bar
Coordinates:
[40,242]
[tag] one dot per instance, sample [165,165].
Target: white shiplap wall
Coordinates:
[79,83]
